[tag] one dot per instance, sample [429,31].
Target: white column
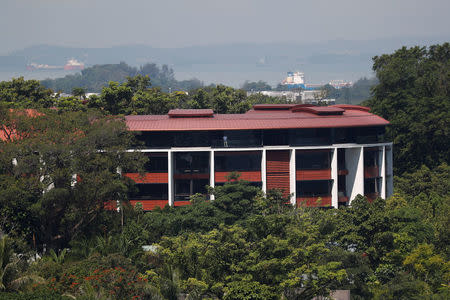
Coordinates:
[263,171]
[170,177]
[334,176]
[389,172]
[383,173]
[292,177]
[354,158]
[212,179]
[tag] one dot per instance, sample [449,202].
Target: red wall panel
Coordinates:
[181,203]
[191,176]
[313,174]
[148,177]
[371,172]
[277,169]
[254,176]
[325,201]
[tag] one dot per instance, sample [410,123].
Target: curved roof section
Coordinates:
[306,117]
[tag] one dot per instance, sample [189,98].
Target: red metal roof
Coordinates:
[277,119]
[188,113]
[319,110]
[273,106]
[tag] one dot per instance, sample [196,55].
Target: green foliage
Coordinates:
[256,86]
[21,93]
[413,94]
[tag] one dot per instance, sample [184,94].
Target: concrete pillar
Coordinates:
[292,177]
[170,181]
[334,176]
[212,179]
[354,158]
[383,173]
[389,172]
[263,171]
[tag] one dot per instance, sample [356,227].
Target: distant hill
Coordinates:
[94,78]
[233,64]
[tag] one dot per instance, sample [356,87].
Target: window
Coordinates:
[275,137]
[150,191]
[237,161]
[316,136]
[191,162]
[314,188]
[184,188]
[312,160]
[156,163]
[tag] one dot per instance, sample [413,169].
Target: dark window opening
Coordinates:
[314,136]
[341,159]
[191,162]
[372,186]
[371,157]
[314,188]
[317,160]
[184,188]
[192,139]
[237,138]
[275,137]
[156,163]
[150,191]
[229,162]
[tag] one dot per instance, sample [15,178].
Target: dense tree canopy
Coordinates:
[413,93]
[59,174]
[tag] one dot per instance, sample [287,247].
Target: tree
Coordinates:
[21,93]
[41,198]
[256,86]
[413,93]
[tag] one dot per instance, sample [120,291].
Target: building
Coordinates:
[291,96]
[322,155]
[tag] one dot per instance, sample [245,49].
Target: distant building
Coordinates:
[291,96]
[339,83]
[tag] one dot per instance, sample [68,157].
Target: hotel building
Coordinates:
[322,156]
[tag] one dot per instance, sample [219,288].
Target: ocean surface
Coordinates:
[229,74]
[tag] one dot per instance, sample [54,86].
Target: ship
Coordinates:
[296,80]
[72,64]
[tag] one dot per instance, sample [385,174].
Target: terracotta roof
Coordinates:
[262,119]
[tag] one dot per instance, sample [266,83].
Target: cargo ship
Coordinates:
[72,64]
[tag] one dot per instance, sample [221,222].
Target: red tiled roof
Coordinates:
[277,119]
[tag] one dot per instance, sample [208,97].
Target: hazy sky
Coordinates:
[177,23]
